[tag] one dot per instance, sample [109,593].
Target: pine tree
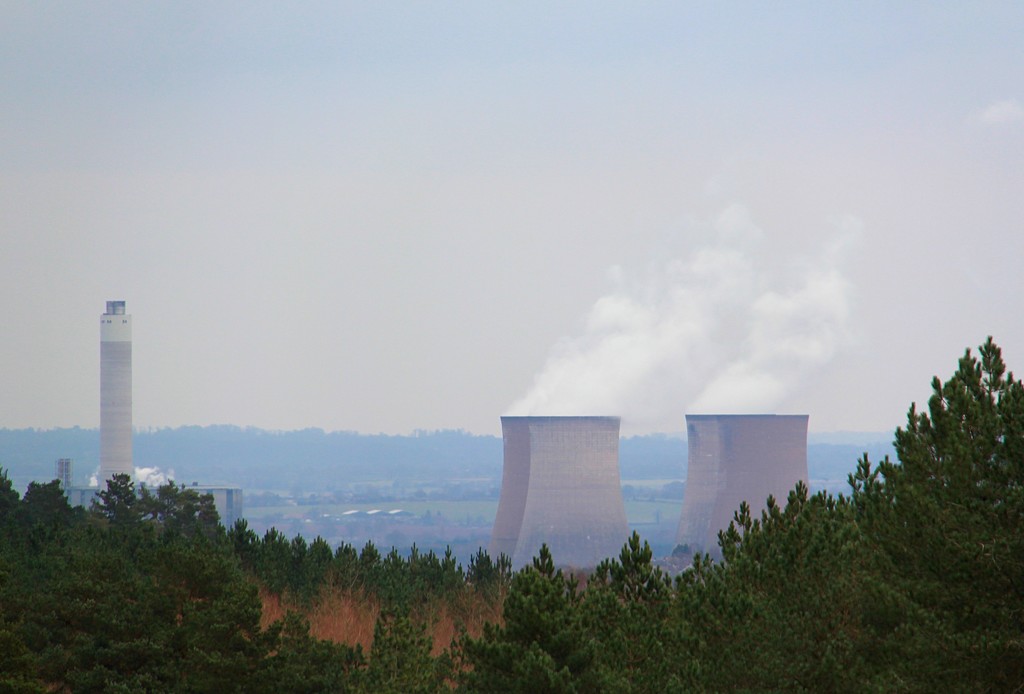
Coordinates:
[626,607]
[400,660]
[543,646]
[949,518]
[117,503]
[784,608]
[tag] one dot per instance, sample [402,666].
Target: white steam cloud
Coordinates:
[153,476]
[723,330]
[149,476]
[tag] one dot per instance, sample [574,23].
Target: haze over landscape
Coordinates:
[384,218]
[493,347]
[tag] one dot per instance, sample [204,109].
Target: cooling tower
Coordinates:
[560,486]
[734,458]
[115,392]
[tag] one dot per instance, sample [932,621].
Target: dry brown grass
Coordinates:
[349,617]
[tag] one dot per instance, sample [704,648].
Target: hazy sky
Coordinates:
[393,216]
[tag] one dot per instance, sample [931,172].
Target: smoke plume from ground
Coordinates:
[722,330]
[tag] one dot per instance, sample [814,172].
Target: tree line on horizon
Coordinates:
[911,581]
[313,460]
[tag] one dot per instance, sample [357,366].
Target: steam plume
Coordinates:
[149,476]
[720,330]
[153,476]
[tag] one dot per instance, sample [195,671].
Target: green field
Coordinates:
[455,511]
[643,512]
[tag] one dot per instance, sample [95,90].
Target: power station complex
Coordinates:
[560,486]
[116,421]
[560,482]
[115,392]
[734,458]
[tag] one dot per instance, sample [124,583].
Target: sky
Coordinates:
[389,217]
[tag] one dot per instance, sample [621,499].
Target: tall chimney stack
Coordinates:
[115,392]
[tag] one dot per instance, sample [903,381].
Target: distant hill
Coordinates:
[315,460]
[306,460]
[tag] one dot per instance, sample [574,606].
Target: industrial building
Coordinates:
[560,486]
[63,472]
[115,392]
[735,458]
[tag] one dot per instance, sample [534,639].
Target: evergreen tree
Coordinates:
[8,498]
[949,518]
[626,607]
[400,660]
[302,664]
[117,502]
[543,646]
[785,608]
[179,510]
[18,666]
[44,512]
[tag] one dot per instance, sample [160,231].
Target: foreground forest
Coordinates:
[912,581]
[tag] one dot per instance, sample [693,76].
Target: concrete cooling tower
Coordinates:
[115,392]
[560,486]
[734,458]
